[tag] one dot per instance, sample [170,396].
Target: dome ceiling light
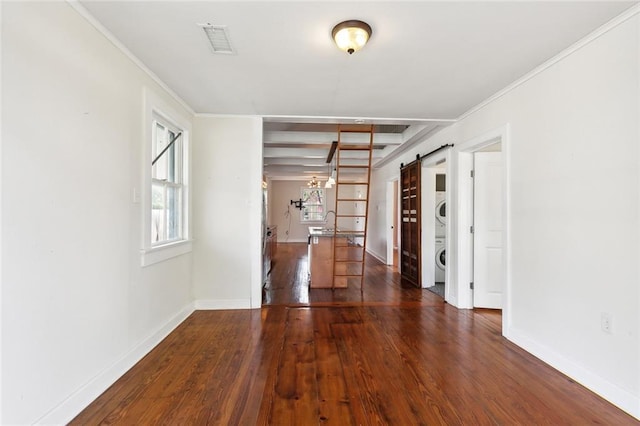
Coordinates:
[352,35]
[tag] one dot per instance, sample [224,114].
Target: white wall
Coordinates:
[227,193]
[575,210]
[377,220]
[77,309]
[286,216]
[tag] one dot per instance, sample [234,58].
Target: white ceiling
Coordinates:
[425,65]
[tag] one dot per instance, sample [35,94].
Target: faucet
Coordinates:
[327,214]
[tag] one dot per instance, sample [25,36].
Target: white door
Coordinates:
[487,230]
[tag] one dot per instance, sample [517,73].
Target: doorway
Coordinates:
[435,224]
[393,227]
[482,223]
[487,227]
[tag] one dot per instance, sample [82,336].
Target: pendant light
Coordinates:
[331,179]
[329,183]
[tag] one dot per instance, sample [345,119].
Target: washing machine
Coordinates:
[441,214]
[440,259]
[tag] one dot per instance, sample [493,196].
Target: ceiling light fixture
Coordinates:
[352,35]
[313,183]
[330,180]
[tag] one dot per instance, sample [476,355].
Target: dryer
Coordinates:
[441,214]
[440,260]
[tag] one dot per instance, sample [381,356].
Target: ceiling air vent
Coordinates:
[218,37]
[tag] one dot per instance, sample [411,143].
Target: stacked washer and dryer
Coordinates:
[441,228]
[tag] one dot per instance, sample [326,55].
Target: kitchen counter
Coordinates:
[319,231]
[320,252]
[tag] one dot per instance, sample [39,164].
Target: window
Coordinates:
[313,203]
[167,191]
[165,181]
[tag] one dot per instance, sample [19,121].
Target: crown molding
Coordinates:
[351,120]
[118,44]
[605,28]
[216,115]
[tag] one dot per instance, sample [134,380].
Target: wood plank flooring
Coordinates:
[371,360]
[287,284]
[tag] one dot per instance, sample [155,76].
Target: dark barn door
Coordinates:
[410,225]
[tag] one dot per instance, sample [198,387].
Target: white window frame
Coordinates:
[177,184]
[157,109]
[324,205]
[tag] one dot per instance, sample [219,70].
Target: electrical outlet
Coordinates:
[606,322]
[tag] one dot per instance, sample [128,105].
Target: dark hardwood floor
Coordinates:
[393,355]
[287,284]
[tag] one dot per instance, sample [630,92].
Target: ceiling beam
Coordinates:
[328,137]
[314,153]
[332,151]
[320,161]
[297,145]
[308,145]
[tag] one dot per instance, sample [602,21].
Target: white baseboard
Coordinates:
[377,256]
[82,397]
[614,394]
[220,304]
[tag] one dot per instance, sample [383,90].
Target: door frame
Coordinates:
[428,180]
[464,218]
[428,198]
[389,218]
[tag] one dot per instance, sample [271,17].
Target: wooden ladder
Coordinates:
[353,173]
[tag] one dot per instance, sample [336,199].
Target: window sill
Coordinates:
[164,252]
